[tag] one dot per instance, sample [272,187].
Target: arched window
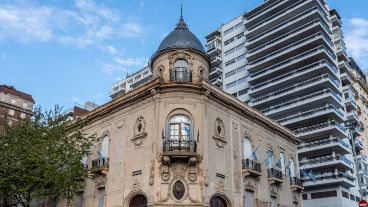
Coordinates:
[291,168]
[179,132]
[217,202]
[269,160]
[138,201]
[247,149]
[282,162]
[181,71]
[105,147]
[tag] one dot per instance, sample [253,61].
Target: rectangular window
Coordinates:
[325,194]
[228,74]
[101,197]
[305,196]
[230,85]
[273,201]
[230,62]
[239,25]
[345,194]
[241,69]
[230,51]
[228,31]
[248,198]
[242,80]
[352,197]
[241,57]
[239,36]
[229,41]
[242,92]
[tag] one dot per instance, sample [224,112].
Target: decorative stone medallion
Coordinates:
[219,134]
[178,190]
[139,131]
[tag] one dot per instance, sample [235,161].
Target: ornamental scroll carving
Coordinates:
[139,131]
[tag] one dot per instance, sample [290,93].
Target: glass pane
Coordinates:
[248,198]
[105,146]
[247,148]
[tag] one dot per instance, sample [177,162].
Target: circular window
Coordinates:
[178,190]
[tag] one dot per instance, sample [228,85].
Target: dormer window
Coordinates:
[180,72]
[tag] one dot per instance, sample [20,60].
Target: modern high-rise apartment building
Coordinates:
[132,81]
[287,59]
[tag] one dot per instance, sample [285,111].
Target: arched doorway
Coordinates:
[217,202]
[138,201]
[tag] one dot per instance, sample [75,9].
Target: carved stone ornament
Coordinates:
[220,188]
[139,131]
[219,134]
[152,175]
[100,182]
[178,189]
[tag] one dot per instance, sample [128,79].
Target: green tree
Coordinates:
[41,158]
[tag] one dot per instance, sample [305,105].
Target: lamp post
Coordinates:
[351,126]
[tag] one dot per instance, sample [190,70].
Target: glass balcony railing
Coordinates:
[318,126]
[274,16]
[290,74]
[295,44]
[287,89]
[311,112]
[295,18]
[291,60]
[323,142]
[325,158]
[265,9]
[330,175]
[287,35]
[301,99]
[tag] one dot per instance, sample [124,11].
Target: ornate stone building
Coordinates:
[180,141]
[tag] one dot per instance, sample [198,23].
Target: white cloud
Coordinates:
[85,24]
[357,40]
[131,61]
[111,49]
[111,69]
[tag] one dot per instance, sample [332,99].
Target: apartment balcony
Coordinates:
[349,89]
[217,81]
[297,75]
[296,184]
[359,144]
[307,43]
[302,103]
[312,114]
[346,78]
[313,27]
[341,53]
[337,33]
[274,176]
[216,61]
[320,129]
[303,87]
[215,72]
[357,131]
[364,189]
[324,145]
[327,161]
[255,39]
[251,168]
[329,178]
[350,103]
[345,67]
[336,21]
[100,165]
[362,158]
[214,51]
[353,116]
[262,10]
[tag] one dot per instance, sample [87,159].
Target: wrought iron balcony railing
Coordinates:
[180,76]
[248,164]
[180,145]
[100,165]
[295,181]
[274,173]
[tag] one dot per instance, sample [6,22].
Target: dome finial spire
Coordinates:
[181,11]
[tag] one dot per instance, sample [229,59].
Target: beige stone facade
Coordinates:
[180,141]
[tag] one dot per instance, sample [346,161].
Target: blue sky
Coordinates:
[71,51]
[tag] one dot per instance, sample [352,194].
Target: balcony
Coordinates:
[359,144]
[180,76]
[349,89]
[293,75]
[215,50]
[274,176]
[365,189]
[296,184]
[289,38]
[310,42]
[217,81]
[350,103]
[323,145]
[341,53]
[335,20]
[346,78]
[353,116]
[319,129]
[345,66]
[362,158]
[327,161]
[312,84]
[302,102]
[329,178]
[251,168]
[310,114]
[100,165]
[215,62]
[297,61]
[181,149]
[215,72]
[256,39]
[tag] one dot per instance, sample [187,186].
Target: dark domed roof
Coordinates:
[181,37]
